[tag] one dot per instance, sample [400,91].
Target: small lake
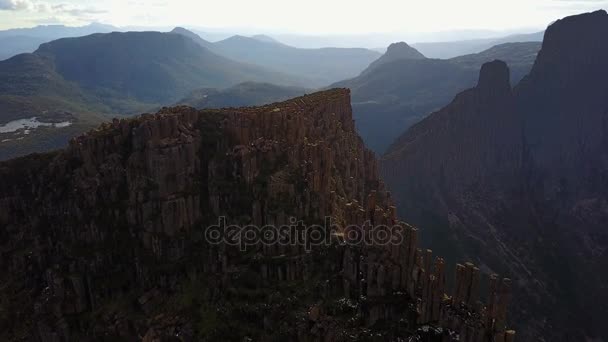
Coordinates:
[29,124]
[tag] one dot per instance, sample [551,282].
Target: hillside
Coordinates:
[517,178]
[30,87]
[150,67]
[110,236]
[318,67]
[197,39]
[394,52]
[393,96]
[241,95]
[113,74]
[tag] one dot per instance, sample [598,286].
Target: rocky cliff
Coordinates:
[516,180]
[107,239]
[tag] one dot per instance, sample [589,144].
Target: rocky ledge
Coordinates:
[105,240]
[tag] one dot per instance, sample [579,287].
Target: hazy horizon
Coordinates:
[411,20]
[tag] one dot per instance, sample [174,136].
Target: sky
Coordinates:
[315,17]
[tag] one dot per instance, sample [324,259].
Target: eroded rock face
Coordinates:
[494,79]
[516,180]
[106,239]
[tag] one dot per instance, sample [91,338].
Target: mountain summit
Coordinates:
[394,52]
[401,50]
[494,77]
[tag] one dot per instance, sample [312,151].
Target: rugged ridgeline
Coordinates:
[87,79]
[516,179]
[402,87]
[104,240]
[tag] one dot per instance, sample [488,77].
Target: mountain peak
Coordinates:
[180,29]
[573,53]
[266,39]
[394,52]
[566,38]
[494,76]
[401,50]
[187,33]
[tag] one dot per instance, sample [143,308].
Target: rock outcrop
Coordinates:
[109,239]
[516,180]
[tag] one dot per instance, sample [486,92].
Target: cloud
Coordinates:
[76,11]
[63,12]
[49,8]
[15,5]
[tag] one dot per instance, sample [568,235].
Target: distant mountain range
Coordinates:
[148,67]
[53,32]
[401,88]
[98,75]
[316,67]
[109,74]
[22,40]
[451,49]
[518,178]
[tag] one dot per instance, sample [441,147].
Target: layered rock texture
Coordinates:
[105,240]
[516,179]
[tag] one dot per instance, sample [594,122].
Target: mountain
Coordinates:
[450,49]
[374,40]
[152,67]
[517,178]
[106,74]
[319,67]
[117,236]
[240,95]
[53,32]
[24,40]
[265,38]
[390,97]
[31,88]
[200,41]
[519,56]
[395,51]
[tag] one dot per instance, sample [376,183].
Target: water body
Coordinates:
[28,124]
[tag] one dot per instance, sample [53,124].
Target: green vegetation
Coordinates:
[96,77]
[240,95]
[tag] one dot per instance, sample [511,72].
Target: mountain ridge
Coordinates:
[99,75]
[392,96]
[129,202]
[516,178]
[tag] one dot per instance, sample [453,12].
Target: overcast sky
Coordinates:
[302,16]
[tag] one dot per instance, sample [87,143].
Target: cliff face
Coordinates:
[517,180]
[106,239]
